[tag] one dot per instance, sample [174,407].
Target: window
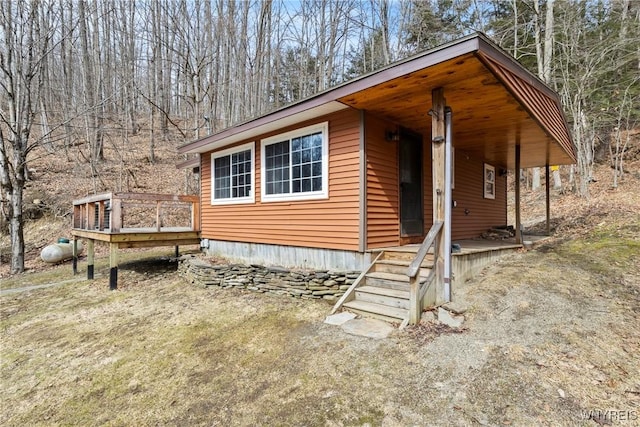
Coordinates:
[489,182]
[232,179]
[295,165]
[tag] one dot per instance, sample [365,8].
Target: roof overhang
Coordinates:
[194,162]
[261,126]
[496,103]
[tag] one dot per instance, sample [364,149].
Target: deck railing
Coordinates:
[106,212]
[417,290]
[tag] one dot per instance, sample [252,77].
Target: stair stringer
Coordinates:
[349,295]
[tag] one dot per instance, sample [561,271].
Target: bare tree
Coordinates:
[26,44]
[67,67]
[622,131]
[597,62]
[93,84]
[82,71]
[544,56]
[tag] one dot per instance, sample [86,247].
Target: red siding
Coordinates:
[334,223]
[469,194]
[383,228]
[330,223]
[383,199]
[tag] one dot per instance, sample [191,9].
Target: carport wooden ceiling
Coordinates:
[494,108]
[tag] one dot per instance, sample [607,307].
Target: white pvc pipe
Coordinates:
[448,203]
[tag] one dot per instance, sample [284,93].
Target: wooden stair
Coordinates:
[382,292]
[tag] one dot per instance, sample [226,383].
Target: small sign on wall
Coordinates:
[489,182]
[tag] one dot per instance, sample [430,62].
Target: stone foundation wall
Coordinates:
[307,284]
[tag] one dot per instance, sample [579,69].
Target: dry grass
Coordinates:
[550,334]
[542,325]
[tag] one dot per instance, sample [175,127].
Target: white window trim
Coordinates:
[310,195]
[489,177]
[234,200]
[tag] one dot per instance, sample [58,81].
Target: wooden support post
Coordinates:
[438,149]
[113,266]
[517,175]
[548,198]
[91,217]
[116,215]
[75,255]
[448,203]
[90,256]
[76,217]
[195,216]
[415,305]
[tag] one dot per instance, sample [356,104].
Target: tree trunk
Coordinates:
[92,120]
[548,43]
[557,181]
[544,55]
[12,184]
[384,28]
[535,179]
[46,139]
[21,85]
[16,230]
[66,57]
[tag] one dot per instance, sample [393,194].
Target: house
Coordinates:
[413,155]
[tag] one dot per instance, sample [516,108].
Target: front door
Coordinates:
[411,200]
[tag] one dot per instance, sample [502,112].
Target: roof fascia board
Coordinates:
[412,65]
[518,70]
[189,163]
[496,53]
[241,133]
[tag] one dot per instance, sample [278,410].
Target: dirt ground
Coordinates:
[550,338]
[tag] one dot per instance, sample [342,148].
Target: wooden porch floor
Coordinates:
[469,246]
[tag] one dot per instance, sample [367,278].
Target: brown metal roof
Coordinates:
[496,104]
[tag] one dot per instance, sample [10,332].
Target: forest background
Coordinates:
[79,76]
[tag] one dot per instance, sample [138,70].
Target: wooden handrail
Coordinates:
[157,197]
[414,267]
[152,197]
[92,199]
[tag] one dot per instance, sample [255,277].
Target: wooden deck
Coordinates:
[103,218]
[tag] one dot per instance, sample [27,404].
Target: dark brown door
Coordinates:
[411,203]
